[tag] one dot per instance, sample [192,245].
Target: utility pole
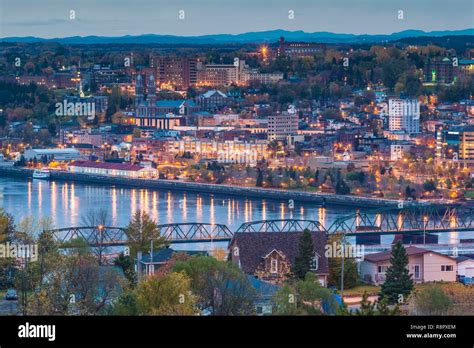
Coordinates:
[425,222]
[342,267]
[24,290]
[152,267]
[139,251]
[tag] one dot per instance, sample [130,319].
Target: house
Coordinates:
[162,256]
[465,266]
[424,265]
[265,292]
[269,256]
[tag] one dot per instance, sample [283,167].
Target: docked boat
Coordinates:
[41,174]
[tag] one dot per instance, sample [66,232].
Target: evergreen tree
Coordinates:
[342,188]
[259,181]
[398,280]
[305,255]
[366,307]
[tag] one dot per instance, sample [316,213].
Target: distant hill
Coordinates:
[460,43]
[251,37]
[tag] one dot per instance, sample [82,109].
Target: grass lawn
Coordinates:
[360,289]
[469,194]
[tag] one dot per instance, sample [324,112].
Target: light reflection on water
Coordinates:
[66,203]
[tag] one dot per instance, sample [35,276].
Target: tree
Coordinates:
[410,192]
[351,275]
[342,188]
[305,255]
[398,284]
[221,287]
[142,230]
[125,263]
[75,284]
[429,185]
[259,181]
[432,301]
[7,226]
[366,307]
[127,304]
[305,297]
[98,219]
[169,295]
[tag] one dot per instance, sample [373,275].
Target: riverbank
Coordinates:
[251,192]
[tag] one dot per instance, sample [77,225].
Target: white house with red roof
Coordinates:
[113,169]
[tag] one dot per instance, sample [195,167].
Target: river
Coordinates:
[67,203]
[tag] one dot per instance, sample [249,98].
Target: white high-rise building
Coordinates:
[404,114]
[280,126]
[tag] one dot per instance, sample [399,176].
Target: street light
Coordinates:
[425,222]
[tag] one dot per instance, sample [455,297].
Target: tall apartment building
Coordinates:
[176,72]
[404,114]
[280,126]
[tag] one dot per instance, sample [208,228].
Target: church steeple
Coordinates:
[151,87]
[139,90]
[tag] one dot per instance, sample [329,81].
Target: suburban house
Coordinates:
[150,264]
[424,265]
[113,169]
[264,299]
[466,266]
[269,256]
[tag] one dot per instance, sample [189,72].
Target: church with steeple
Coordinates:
[149,112]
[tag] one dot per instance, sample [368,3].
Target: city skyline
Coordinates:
[51,18]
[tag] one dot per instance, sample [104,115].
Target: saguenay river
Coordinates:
[66,204]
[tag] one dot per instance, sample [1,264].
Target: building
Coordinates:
[52,154]
[455,145]
[404,114]
[269,256]
[465,266]
[151,264]
[215,75]
[176,72]
[230,151]
[466,68]
[439,70]
[212,100]
[298,49]
[82,136]
[398,149]
[113,169]
[282,125]
[424,266]
[249,76]
[239,73]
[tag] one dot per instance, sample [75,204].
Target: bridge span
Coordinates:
[405,221]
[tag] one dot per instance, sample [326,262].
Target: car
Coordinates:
[11,295]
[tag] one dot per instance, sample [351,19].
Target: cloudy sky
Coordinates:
[51,18]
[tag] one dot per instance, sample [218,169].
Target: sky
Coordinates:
[51,18]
